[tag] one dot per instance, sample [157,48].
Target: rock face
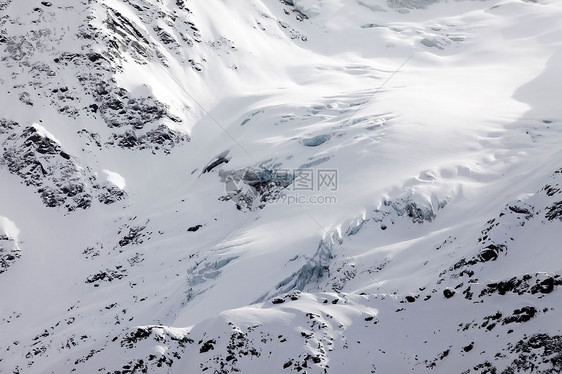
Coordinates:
[104,47]
[254,187]
[42,163]
[39,160]
[9,252]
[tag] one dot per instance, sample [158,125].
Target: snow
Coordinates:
[9,228]
[115,178]
[41,130]
[436,116]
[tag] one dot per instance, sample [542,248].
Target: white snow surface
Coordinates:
[440,120]
[115,179]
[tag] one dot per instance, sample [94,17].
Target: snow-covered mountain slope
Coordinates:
[281,186]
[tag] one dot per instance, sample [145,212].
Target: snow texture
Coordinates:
[280,186]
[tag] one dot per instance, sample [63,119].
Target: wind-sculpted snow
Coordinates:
[510,227]
[316,333]
[332,266]
[280,186]
[411,4]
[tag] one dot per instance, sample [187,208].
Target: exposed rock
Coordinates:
[207,346]
[108,275]
[9,252]
[41,162]
[540,353]
[110,194]
[135,235]
[554,211]
[253,187]
[539,283]
[220,159]
[521,315]
[448,293]
[194,228]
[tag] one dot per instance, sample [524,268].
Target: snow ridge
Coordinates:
[280,186]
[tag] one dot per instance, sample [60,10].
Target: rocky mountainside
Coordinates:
[280,186]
